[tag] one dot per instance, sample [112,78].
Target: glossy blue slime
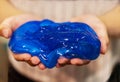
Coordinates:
[48,41]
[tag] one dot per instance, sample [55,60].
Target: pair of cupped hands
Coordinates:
[10,24]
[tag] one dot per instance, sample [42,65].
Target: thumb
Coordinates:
[5,28]
[12,23]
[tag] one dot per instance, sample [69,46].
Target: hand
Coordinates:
[101,31]
[11,24]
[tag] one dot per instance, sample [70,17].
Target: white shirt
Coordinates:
[63,10]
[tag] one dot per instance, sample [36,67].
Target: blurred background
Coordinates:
[99,70]
[3,61]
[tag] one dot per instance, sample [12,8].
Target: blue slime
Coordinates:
[49,40]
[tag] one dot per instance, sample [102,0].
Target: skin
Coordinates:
[10,21]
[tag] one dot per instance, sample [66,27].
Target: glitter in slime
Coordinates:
[49,40]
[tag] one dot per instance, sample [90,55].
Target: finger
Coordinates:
[22,57]
[77,61]
[103,36]
[5,30]
[58,65]
[104,45]
[63,60]
[42,66]
[6,27]
[62,65]
[30,63]
[35,60]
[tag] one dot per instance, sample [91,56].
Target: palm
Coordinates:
[94,22]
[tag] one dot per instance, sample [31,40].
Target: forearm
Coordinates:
[7,10]
[112,21]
